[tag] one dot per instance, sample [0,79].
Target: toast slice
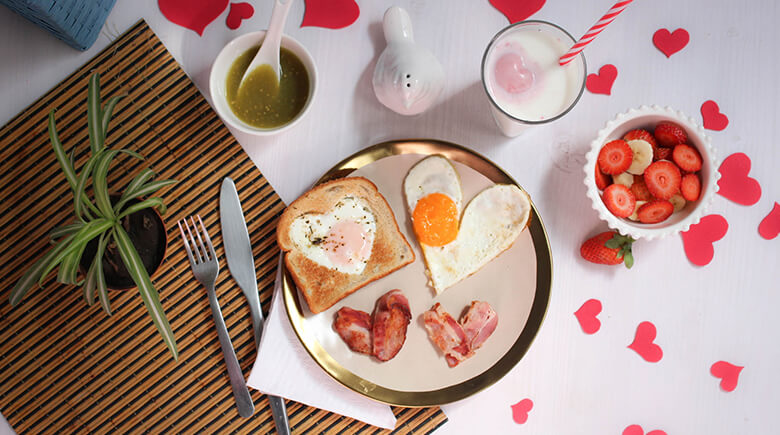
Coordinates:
[322,285]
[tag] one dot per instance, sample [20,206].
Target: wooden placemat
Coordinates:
[66,367]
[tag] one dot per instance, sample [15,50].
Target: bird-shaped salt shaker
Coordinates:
[408,78]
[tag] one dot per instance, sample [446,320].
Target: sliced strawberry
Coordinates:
[615,157]
[669,134]
[690,187]
[655,211]
[640,190]
[619,200]
[662,153]
[640,134]
[602,180]
[687,158]
[663,179]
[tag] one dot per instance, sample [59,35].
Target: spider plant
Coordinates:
[95,216]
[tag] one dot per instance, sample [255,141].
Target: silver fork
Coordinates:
[205,267]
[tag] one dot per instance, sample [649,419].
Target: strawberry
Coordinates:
[619,200]
[687,158]
[662,179]
[662,153]
[655,211]
[608,247]
[690,187]
[669,134]
[640,134]
[639,189]
[615,157]
[602,180]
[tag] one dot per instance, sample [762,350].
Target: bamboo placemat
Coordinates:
[66,367]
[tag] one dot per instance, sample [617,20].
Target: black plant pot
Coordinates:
[146,229]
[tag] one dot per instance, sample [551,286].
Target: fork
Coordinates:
[205,267]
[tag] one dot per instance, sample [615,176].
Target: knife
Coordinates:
[241,263]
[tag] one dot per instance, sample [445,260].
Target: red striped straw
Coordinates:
[591,34]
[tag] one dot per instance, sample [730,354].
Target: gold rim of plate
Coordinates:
[502,366]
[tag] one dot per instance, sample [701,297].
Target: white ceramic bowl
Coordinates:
[221,66]
[647,117]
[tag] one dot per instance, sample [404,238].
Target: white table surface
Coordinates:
[579,383]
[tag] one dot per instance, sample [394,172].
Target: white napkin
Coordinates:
[284,368]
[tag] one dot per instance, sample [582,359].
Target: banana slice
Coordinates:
[677,201]
[625,179]
[634,216]
[643,156]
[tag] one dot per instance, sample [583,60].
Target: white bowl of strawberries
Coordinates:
[651,172]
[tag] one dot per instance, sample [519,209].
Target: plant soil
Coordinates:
[147,232]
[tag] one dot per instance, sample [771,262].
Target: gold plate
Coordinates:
[409,396]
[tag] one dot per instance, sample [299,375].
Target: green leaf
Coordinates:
[59,152]
[612,243]
[151,299]
[100,279]
[78,191]
[94,122]
[132,153]
[90,283]
[108,110]
[129,193]
[69,268]
[65,230]
[144,190]
[33,274]
[85,234]
[100,183]
[156,202]
[628,259]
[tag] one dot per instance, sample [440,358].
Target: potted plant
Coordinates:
[108,227]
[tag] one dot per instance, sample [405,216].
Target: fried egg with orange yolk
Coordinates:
[457,243]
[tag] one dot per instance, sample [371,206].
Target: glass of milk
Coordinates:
[523,80]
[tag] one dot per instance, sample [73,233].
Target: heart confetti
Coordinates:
[330,14]
[728,374]
[238,12]
[183,13]
[636,429]
[699,238]
[517,10]
[586,315]
[734,183]
[670,43]
[769,227]
[601,83]
[713,119]
[643,343]
[520,410]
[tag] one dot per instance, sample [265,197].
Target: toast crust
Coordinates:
[321,286]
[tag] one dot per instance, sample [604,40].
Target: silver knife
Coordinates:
[241,262]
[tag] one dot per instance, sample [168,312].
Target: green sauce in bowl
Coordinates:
[262,102]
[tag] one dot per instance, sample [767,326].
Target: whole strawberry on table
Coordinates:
[609,248]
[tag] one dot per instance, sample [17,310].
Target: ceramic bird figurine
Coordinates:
[408,78]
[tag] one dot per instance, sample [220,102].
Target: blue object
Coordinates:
[76,22]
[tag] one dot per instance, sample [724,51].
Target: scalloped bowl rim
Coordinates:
[709,169]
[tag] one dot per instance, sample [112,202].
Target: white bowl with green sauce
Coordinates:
[255,108]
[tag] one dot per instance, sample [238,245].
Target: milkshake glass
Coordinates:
[523,80]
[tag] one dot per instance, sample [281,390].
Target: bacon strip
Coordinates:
[391,318]
[458,341]
[478,323]
[354,327]
[446,334]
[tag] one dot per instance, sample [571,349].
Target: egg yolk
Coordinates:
[435,219]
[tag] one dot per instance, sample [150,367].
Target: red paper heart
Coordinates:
[520,410]
[238,12]
[769,227]
[643,343]
[192,15]
[601,83]
[713,119]
[636,429]
[670,43]
[586,315]
[728,374]
[517,10]
[331,14]
[698,240]
[734,183]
